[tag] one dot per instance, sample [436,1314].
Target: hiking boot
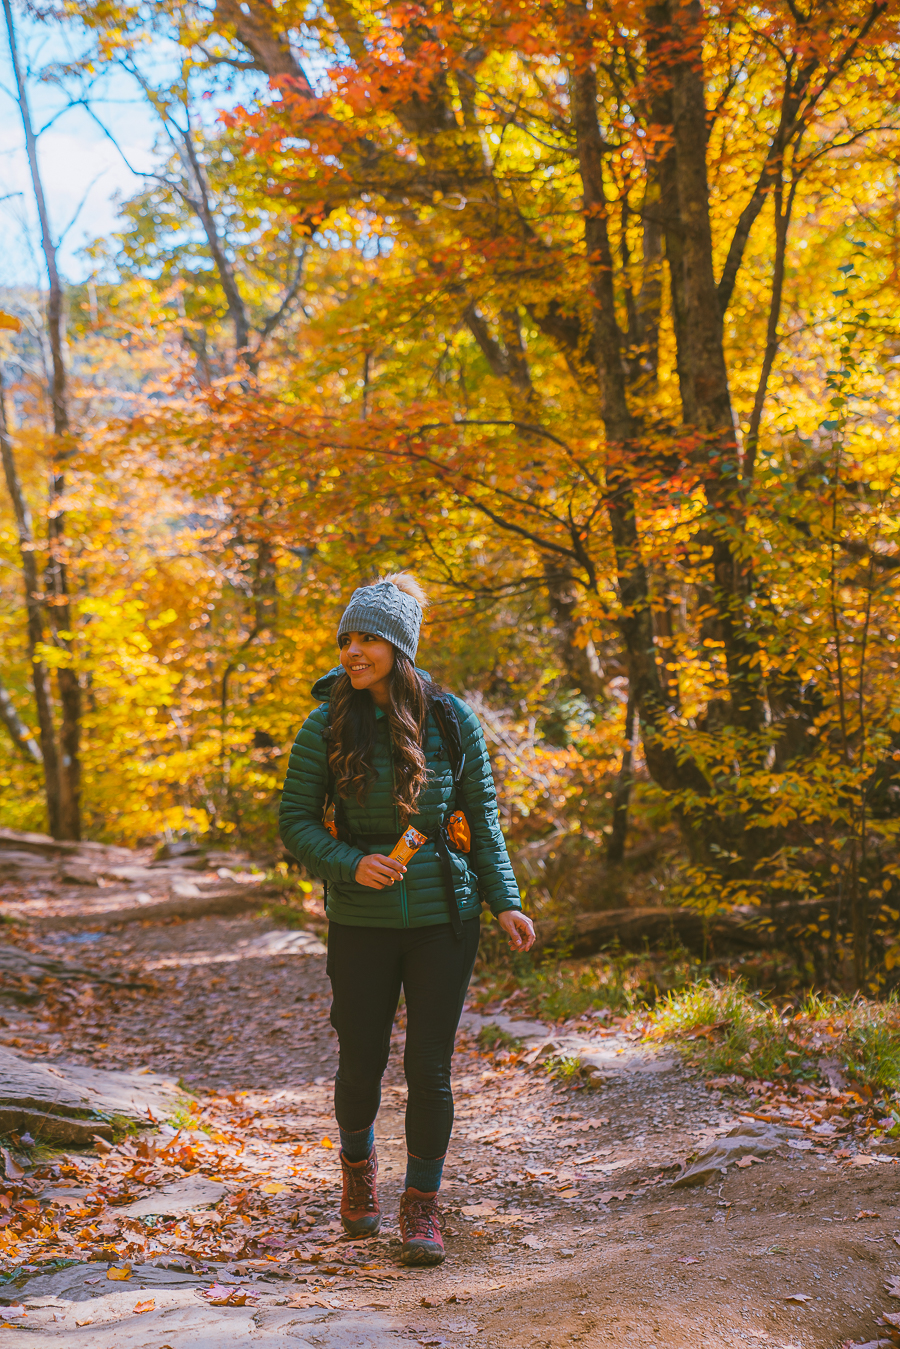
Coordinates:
[420,1229]
[360,1214]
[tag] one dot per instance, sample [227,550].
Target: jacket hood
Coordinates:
[321,689]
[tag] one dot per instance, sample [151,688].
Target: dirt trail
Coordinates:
[563,1223]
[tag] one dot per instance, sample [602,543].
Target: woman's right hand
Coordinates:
[379,872]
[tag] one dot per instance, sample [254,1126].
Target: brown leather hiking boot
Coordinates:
[360,1214]
[420,1229]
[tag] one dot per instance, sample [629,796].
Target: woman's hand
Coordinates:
[519,929]
[379,872]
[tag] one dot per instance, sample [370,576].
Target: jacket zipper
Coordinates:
[404,905]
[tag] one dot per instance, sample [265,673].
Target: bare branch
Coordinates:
[19,733]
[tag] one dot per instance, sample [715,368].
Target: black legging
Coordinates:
[367,967]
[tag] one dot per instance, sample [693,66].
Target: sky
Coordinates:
[79,165]
[83,172]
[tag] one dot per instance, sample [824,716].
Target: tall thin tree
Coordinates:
[57,584]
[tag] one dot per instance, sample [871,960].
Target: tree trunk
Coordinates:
[615,843]
[706,363]
[635,622]
[35,626]
[634,929]
[69,763]
[658,29]
[782,221]
[582,667]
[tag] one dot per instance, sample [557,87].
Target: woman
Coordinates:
[391,750]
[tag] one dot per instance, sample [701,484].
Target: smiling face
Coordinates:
[368,661]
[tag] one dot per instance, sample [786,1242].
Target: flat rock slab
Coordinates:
[180,1319]
[185,1197]
[132,906]
[81,1283]
[747,1139]
[289,943]
[611,1056]
[67,1104]
[611,1061]
[527,1031]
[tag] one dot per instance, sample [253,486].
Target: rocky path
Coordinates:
[218,1226]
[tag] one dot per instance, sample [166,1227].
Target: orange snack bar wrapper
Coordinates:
[410,843]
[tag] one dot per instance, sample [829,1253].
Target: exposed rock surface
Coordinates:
[55,1304]
[124,885]
[68,1104]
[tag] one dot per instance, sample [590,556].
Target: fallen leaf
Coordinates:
[613,1194]
[88,1321]
[222,1295]
[119,1273]
[747,1161]
[326,1143]
[483,1210]
[11,1167]
[864,1159]
[892,1318]
[17,1309]
[568,1194]
[688,1260]
[274,1187]
[798,1297]
[866,1213]
[533,1243]
[140,1307]
[893,1285]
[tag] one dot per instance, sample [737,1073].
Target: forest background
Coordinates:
[585,312]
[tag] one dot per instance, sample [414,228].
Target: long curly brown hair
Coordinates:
[352,735]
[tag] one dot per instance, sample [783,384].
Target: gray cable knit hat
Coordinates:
[391,608]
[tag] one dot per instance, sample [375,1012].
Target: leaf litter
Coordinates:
[278,1172]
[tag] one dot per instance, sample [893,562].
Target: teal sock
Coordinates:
[357,1144]
[423,1174]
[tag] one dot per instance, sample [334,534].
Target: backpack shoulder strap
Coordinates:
[447,718]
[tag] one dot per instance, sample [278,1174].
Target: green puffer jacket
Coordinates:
[420,899]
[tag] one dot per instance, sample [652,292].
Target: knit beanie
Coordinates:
[391,608]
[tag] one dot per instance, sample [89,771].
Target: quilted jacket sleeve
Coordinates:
[497,884]
[302,804]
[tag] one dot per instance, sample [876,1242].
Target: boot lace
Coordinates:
[361,1187]
[421,1219]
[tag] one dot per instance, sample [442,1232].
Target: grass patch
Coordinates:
[493,1038]
[565,991]
[123,1127]
[565,1067]
[287,915]
[730,1030]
